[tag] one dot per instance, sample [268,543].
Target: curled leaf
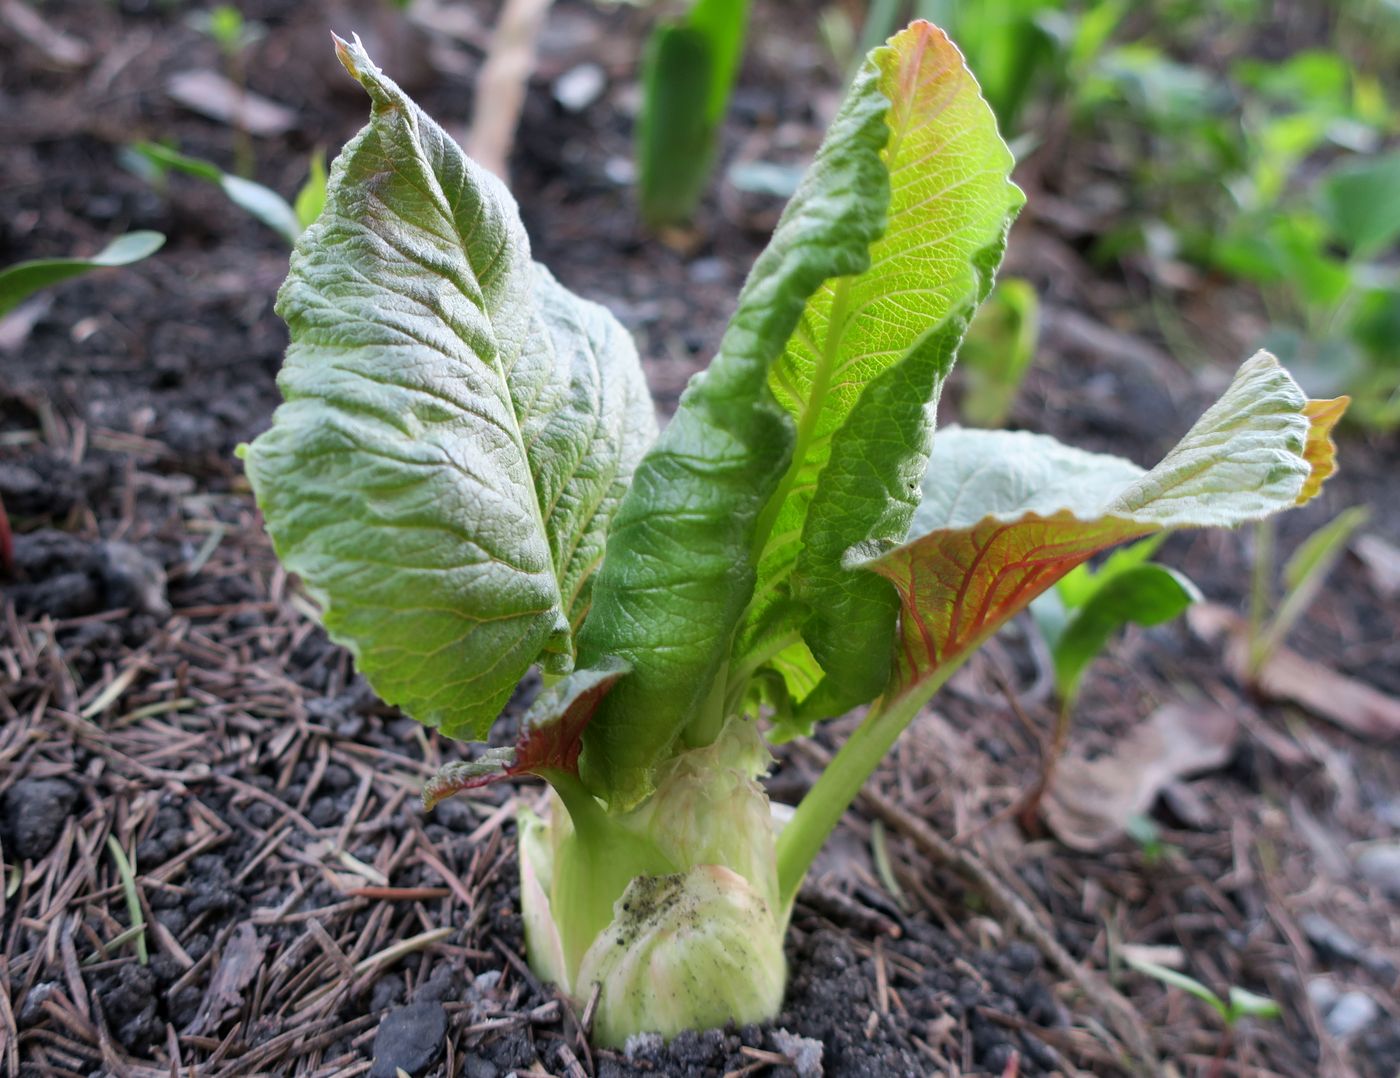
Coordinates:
[1005,515]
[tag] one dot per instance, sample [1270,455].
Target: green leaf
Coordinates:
[724,23]
[1005,515]
[1306,572]
[1000,345]
[1145,595]
[1079,584]
[311,199]
[679,568]
[675,139]
[1175,979]
[261,203]
[23,279]
[1005,44]
[867,362]
[1246,1004]
[457,427]
[1361,202]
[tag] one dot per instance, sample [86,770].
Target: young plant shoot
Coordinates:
[466,475]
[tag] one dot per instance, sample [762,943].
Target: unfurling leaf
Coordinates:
[863,370]
[679,568]
[550,737]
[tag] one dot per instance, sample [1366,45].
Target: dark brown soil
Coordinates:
[161,682]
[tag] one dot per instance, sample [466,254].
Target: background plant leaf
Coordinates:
[23,279]
[1145,595]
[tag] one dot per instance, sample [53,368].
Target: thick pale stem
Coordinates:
[820,811]
[594,866]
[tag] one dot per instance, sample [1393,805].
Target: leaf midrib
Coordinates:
[810,415]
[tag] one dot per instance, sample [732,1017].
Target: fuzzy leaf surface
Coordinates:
[457,427]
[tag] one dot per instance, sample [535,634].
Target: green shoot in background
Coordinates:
[1303,576]
[688,72]
[153,161]
[997,353]
[21,280]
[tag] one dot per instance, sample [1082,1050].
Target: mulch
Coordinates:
[214,858]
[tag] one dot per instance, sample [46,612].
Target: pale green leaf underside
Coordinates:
[457,428]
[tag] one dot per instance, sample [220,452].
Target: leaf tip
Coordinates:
[354,58]
[1319,450]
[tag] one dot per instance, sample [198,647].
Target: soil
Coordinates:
[164,690]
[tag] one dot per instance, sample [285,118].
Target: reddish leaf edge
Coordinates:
[922,650]
[550,736]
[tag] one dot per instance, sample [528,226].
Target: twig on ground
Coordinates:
[501,83]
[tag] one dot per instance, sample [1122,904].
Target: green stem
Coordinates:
[816,817]
[1260,588]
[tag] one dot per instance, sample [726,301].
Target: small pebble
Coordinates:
[409,1039]
[131,579]
[805,1052]
[1331,941]
[1352,1013]
[620,171]
[580,86]
[1322,993]
[709,271]
[1381,865]
[33,816]
[642,1044]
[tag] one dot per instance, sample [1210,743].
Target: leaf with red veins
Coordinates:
[551,735]
[1006,514]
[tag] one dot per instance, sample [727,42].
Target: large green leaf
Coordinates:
[679,568]
[1005,515]
[864,367]
[23,279]
[458,428]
